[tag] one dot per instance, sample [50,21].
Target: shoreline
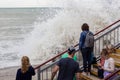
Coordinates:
[9,67]
[8,73]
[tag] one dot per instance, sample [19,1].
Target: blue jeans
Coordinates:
[86,54]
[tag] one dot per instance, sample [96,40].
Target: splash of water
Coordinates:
[63,30]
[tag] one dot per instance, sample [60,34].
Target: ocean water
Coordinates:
[40,33]
[15,26]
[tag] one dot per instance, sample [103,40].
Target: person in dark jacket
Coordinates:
[67,67]
[26,71]
[86,51]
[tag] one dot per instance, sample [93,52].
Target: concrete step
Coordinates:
[118,51]
[117,62]
[94,72]
[115,55]
[94,77]
[84,77]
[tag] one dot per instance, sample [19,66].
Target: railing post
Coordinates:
[38,74]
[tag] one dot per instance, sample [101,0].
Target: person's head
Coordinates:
[85,27]
[105,53]
[110,48]
[25,63]
[71,51]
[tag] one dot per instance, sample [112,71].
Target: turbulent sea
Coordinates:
[40,33]
[16,24]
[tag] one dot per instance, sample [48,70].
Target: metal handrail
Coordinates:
[114,73]
[118,45]
[44,71]
[111,75]
[74,46]
[107,32]
[50,59]
[107,27]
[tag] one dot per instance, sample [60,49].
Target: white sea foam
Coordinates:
[41,37]
[63,30]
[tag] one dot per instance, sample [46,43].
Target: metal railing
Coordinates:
[108,35]
[118,46]
[116,72]
[113,76]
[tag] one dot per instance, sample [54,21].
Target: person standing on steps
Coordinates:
[68,68]
[65,55]
[86,45]
[26,71]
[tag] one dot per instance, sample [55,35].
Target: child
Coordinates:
[109,65]
[101,64]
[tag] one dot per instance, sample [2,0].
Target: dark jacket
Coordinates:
[25,76]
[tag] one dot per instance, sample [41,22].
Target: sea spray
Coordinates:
[61,31]
[43,32]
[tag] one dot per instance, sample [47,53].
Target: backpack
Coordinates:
[89,40]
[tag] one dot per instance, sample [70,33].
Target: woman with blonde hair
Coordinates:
[26,71]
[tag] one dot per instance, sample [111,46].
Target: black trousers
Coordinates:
[86,54]
[100,73]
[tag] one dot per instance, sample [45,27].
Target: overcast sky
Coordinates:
[30,3]
[53,3]
[37,3]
